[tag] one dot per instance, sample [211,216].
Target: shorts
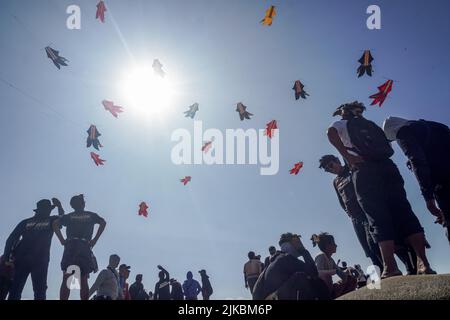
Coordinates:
[77,252]
[380,191]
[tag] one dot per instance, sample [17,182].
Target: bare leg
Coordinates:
[417,241]
[390,267]
[64,291]
[84,288]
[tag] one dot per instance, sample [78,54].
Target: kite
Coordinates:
[384,89]
[243,114]
[270,13]
[101,9]
[270,127]
[299,92]
[207,146]
[92,139]
[366,64]
[192,111]
[58,61]
[109,106]
[97,159]
[157,67]
[185,180]
[143,209]
[295,170]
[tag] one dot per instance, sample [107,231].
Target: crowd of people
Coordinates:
[27,253]
[369,187]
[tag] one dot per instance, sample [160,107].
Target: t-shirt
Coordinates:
[252,268]
[80,225]
[162,290]
[341,127]
[326,267]
[31,239]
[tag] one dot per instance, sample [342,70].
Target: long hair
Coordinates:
[322,240]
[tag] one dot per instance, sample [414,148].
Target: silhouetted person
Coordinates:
[137,291]
[124,274]
[252,270]
[28,247]
[162,287]
[272,252]
[107,283]
[78,244]
[207,289]
[176,292]
[6,277]
[150,295]
[191,287]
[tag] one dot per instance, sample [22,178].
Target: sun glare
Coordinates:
[147,92]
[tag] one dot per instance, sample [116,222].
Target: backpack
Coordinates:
[368,139]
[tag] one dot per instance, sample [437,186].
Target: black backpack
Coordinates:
[368,139]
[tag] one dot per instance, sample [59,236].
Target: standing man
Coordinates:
[107,283]
[78,244]
[379,186]
[252,269]
[124,274]
[207,289]
[162,287]
[269,259]
[137,291]
[426,144]
[28,248]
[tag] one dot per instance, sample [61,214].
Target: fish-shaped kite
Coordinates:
[192,111]
[97,159]
[296,169]
[157,68]
[270,13]
[109,106]
[58,61]
[299,92]
[101,9]
[243,113]
[366,64]
[270,127]
[92,139]
[143,209]
[207,146]
[384,89]
[185,180]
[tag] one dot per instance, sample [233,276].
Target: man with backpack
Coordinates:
[378,185]
[426,144]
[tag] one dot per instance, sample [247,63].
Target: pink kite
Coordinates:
[185,180]
[270,127]
[109,106]
[143,209]
[207,146]
[296,169]
[381,95]
[101,9]
[97,159]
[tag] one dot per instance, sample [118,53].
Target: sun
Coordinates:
[146,92]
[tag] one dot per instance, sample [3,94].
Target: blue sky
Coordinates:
[215,53]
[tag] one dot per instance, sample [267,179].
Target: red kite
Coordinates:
[185,180]
[97,159]
[295,170]
[101,9]
[109,106]
[92,138]
[270,13]
[384,89]
[366,64]
[270,127]
[143,209]
[299,92]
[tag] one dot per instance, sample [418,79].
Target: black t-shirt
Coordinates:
[31,239]
[80,225]
[162,290]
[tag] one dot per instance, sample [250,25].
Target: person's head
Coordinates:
[173,281]
[325,242]
[330,163]
[350,110]
[357,267]
[344,264]
[77,202]
[251,255]
[114,260]
[202,272]
[292,239]
[139,278]
[124,270]
[272,250]
[189,275]
[258,257]
[392,125]
[43,208]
